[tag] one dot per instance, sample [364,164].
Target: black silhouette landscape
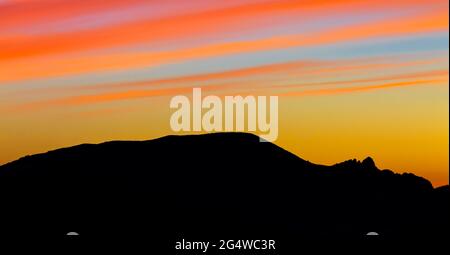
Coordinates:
[228,185]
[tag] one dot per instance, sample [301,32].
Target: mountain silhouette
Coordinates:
[202,186]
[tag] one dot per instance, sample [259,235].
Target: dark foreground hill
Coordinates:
[226,185]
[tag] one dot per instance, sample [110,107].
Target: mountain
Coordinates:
[224,185]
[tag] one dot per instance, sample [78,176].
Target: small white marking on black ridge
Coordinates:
[372,234]
[72,234]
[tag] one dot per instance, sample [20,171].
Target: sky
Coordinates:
[355,78]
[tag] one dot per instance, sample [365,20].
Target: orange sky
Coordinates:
[355,78]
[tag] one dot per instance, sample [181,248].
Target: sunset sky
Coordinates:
[355,78]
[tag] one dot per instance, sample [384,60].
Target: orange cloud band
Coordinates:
[334,91]
[136,94]
[24,70]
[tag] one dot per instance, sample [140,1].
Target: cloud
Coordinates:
[262,79]
[27,57]
[345,90]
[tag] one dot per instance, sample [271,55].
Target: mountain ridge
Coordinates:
[217,184]
[368,161]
